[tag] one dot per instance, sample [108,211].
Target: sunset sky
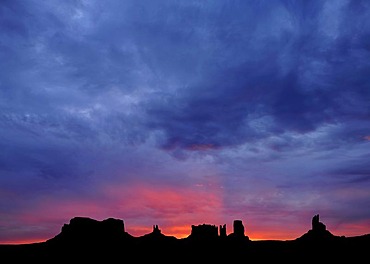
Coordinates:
[178,113]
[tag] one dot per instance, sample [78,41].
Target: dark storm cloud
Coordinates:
[302,65]
[356,172]
[228,73]
[206,75]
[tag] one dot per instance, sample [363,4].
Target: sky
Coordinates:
[178,113]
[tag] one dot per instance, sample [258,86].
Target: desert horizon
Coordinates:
[227,228]
[90,239]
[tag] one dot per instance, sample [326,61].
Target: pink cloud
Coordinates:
[175,209]
[139,204]
[201,147]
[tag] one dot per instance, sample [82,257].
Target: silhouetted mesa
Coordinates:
[204,231]
[90,231]
[89,240]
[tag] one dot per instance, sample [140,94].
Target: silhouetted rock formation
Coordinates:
[238,231]
[317,225]
[90,231]
[238,228]
[155,242]
[317,232]
[204,231]
[318,241]
[223,231]
[156,230]
[156,233]
[89,240]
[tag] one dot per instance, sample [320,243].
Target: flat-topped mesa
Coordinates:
[204,231]
[88,225]
[207,231]
[89,230]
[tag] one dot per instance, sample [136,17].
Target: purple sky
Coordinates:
[184,112]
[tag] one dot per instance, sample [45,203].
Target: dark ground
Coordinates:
[351,250]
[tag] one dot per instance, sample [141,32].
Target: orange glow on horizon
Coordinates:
[273,235]
[184,231]
[23,241]
[182,206]
[179,231]
[351,229]
[176,231]
[174,210]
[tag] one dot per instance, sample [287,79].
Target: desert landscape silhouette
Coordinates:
[85,239]
[132,131]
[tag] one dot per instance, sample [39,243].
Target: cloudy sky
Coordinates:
[184,112]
